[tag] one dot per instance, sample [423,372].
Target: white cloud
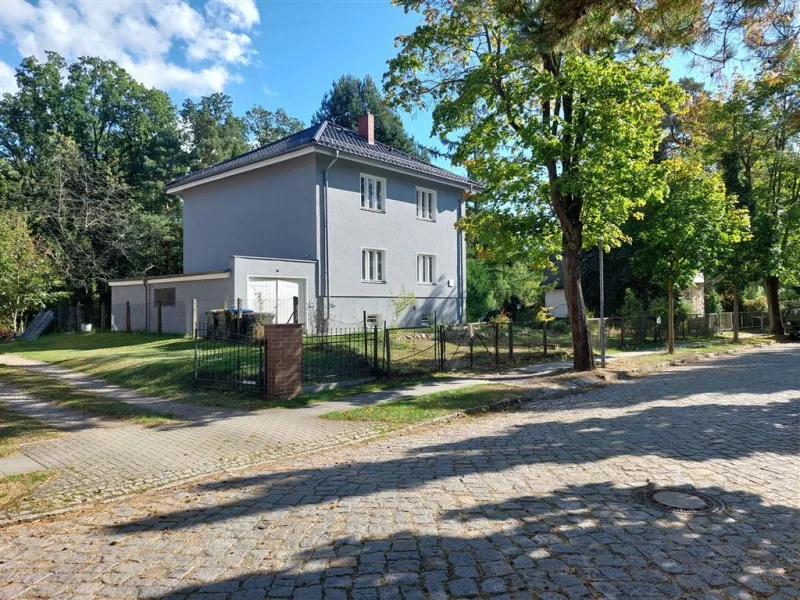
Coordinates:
[8,80]
[163,43]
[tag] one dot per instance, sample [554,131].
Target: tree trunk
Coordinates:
[771,285]
[583,359]
[735,314]
[670,318]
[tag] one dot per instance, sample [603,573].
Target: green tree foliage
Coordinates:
[268,126]
[212,130]
[492,285]
[95,113]
[688,230]
[27,277]
[753,132]
[351,97]
[562,139]
[85,215]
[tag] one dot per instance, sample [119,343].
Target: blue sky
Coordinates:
[274,53]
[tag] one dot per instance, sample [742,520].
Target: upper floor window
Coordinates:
[373,193]
[426,204]
[372,265]
[426,268]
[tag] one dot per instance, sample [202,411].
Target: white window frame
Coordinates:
[374,320]
[364,200]
[432,271]
[420,205]
[373,265]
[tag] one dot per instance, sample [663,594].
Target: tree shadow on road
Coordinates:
[695,433]
[578,540]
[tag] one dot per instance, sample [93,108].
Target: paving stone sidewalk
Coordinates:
[103,458]
[535,503]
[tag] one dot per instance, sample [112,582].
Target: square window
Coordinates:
[164,295]
[426,269]
[426,204]
[372,262]
[373,193]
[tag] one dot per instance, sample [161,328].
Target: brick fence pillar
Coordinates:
[283,360]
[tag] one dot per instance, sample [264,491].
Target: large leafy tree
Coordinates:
[267,126]
[84,214]
[688,230]
[111,123]
[752,133]
[27,276]
[212,131]
[562,139]
[350,97]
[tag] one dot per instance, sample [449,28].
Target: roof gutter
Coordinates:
[325,230]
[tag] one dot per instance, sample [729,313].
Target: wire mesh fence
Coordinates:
[411,350]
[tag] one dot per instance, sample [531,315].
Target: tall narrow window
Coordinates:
[372,262]
[426,268]
[373,193]
[426,204]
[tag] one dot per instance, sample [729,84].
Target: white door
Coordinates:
[274,296]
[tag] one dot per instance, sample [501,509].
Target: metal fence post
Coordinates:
[442,340]
[295,310]
[471,346]
[128,316]
[510,340]
[622,333]
[158,316]
[366,342]
[643,336]
[102,318]
[239,316]
[544,339]
[497,343]
[387,350]
[196,341]
[375,349]
[194,314]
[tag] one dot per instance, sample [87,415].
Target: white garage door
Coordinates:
[274,296]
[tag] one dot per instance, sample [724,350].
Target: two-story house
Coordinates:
[330,216]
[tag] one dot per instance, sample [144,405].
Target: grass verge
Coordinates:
[17,429]
[430,406]
[14,489]
[161,366]
[63,394]
[623,362]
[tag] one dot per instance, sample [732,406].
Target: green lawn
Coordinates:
[163,367]
[17,429]
[427,407]
[156,366]
[59,392]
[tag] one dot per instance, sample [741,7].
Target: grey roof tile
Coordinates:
[331,136]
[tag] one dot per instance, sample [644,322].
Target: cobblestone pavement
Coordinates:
[535,503]
[100,458]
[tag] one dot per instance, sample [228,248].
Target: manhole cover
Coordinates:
[680,500]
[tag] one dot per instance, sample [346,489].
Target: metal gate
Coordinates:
[227,360]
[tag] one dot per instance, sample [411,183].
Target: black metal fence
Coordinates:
[226,360]
[343,354]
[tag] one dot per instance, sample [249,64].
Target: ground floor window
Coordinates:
[426,268]
[372,265]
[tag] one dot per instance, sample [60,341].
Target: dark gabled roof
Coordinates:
[326,135]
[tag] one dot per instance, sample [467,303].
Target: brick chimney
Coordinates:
[366,127]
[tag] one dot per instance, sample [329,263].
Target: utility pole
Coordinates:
[602,311]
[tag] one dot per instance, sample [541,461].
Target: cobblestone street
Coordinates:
[532,503]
